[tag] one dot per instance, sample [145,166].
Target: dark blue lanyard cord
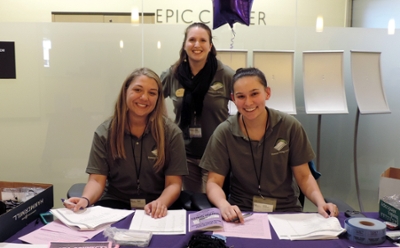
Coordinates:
[134,162]
[138,170]
[252,153]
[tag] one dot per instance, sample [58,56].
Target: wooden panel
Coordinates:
[149,18]
[117,18]
[77,18]
[235,59]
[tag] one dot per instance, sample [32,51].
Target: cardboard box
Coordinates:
[388,212]
[17,218]
[389,183]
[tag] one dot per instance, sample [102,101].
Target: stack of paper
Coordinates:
[305,226]
[57,231]
[90,218]
[173,223]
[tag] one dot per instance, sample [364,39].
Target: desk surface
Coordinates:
[180,241]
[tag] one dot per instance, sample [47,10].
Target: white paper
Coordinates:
[173,223]
[90,218]
[305,226]
[11,245]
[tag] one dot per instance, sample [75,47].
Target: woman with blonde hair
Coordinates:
[138,156]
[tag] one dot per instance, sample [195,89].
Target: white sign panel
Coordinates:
[278,69]
[324,91]
[367,82]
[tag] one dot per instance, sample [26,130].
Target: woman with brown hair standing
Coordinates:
[199,86]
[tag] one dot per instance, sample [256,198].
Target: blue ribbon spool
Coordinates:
[365,230]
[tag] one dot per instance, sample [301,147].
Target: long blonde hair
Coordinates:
[156,120]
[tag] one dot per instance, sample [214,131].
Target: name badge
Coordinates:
[138,203]
[180,92]
[263,204]
[195,132]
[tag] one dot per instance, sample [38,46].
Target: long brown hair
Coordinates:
[182,52]
[156,120]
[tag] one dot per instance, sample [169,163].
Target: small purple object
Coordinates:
[231,11]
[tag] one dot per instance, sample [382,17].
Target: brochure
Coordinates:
[209,219]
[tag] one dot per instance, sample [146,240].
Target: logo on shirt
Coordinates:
[280,143]
[217,86]
[154,152]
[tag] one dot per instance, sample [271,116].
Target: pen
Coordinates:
[245,215]
[68,202]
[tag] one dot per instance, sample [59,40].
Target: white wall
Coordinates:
[375,13]
[275,13]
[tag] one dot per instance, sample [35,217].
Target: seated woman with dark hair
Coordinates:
[263,150]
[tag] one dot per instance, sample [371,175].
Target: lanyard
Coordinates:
[134,157]
[140,163]
[252,154]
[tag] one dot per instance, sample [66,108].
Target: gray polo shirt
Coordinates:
[122,174]
[229,150]
[215,105]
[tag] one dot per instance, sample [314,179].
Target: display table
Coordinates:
[180,241]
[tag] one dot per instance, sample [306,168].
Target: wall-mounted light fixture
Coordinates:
[46,52]
[135,15]
[391,27]
[320,24]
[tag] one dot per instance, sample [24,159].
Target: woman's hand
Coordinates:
[330,208]
[232,214]
[156,209]
[76,203]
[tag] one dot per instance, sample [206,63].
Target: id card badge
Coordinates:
[138,201]
[195,132]
[263,204]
